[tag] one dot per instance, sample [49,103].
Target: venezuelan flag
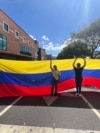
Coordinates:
[27,78]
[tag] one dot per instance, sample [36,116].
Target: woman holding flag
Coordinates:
[55,79]
[78,75]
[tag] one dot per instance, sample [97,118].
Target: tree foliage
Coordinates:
[75,49]
[91,36]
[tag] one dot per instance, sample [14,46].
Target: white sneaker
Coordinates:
[77,94]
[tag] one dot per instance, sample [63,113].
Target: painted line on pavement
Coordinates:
[9,106]
[49,99]
[91,106]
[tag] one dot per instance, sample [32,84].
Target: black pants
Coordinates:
[78,82]
[54,87]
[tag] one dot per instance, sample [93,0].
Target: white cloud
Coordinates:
[50,47]
[32,37]
[53,47]
[44,37]
[56,47]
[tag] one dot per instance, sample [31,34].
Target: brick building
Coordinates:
[15,43]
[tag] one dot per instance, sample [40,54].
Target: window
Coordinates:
[29,43]
[17,34]
[3,42]
[5,27]
[24,39]
[25,50]
[32,45]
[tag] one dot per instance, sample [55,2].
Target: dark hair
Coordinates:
[78,64]
[55,67]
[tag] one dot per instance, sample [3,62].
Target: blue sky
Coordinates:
[51,22]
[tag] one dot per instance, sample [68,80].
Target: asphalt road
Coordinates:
[67,111]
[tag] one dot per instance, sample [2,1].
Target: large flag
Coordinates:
[27,78]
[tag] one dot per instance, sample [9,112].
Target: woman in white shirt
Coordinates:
[55,79]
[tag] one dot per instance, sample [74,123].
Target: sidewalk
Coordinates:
[31,129]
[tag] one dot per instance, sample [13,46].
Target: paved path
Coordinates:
[67,113]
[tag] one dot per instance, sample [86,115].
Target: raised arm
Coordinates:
[74,62]
[51,64]
[84,62]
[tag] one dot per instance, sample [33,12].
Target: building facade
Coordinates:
[15,43]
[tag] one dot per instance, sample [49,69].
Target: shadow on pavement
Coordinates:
[65,100]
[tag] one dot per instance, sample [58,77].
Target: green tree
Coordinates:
[75,49]
[91,36]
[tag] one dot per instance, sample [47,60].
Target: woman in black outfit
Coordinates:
[78,75]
